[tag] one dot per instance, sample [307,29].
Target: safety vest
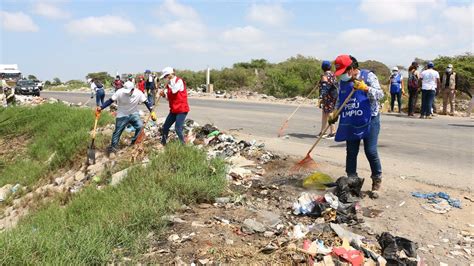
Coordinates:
[354,119]
[396,83]
[178,101]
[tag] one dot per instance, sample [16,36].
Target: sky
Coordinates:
[70,38]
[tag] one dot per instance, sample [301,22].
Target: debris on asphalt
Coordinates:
[438,202]
[398,250]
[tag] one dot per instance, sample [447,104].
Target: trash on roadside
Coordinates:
[305,204]
[299,231]
[398,250]
[354,256]
[345,234]
[348,189]
[317,180]
[436,198]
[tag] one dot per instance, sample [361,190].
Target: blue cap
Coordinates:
[326,64]
[147,71]
[430,64]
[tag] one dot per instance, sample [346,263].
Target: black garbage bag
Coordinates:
[348,189]
[205,130]
[346,213]
[393,245]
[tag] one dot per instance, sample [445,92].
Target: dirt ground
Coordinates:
[208,232]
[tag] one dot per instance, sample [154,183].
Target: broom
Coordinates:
[308,162]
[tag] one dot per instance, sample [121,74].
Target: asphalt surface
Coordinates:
[437,151]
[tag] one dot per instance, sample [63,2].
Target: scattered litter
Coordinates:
[434,198]
[401,204]
[305,204]
[317,180]
[398,250]
[345,234]
[348,189]
[355,257]
[299,231]
[371,213]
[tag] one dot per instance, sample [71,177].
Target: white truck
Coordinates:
[11,73]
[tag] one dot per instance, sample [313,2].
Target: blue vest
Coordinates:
[354,119]
[396,83]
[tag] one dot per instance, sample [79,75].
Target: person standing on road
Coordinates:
[360,119]
[118,83]
[448,90]
[413,88]
[127,99]
[141,84]
[328,96]
[429,84]
[98,89]
[177,96]
[396,89]
[150,86]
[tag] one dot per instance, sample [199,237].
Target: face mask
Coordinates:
[345,77]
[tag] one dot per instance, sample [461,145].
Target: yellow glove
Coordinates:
[332,118]
[360,85]
[153,116]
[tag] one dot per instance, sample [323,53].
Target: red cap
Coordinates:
[341,63]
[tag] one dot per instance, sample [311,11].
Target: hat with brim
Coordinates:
[166,71]
[342,62]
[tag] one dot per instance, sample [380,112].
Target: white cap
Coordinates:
[129,85]
[450,66]
[394,68]
[89,80]
[166,71]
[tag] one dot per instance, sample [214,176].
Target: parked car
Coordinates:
[27,87]
[39,84]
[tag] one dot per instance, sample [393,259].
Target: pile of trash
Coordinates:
[28,100]
[342,207]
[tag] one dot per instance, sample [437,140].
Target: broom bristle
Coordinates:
[306,164]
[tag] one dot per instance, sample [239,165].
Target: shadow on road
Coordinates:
[460,125]
[302,136]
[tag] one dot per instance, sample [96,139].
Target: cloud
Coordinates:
[17,21]
[389,10]
[49,10]
[247,34]
[185,32]
[460,15]
[100,25]
[273,15]
[177,10]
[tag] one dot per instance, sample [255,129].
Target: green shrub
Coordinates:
[95,223]
[51,128]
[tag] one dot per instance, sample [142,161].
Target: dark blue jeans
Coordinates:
[427,98]
[121,123]
[99,97]
[370,148]
[398,97]
[179,119]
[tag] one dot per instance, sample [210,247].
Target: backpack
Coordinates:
[98,84]
[413,81]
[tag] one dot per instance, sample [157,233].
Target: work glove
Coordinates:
[333,117]
[360,85]
[97,111]
[153,116]
[162,93]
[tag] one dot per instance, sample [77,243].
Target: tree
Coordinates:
[103,77]
[32,77]
[47,83]
[463,65]
[56,81]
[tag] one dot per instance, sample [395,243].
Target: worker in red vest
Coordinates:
[141,84]
[177,95]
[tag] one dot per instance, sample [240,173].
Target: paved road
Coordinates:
[438,151]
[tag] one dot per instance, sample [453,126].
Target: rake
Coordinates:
[285,124]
